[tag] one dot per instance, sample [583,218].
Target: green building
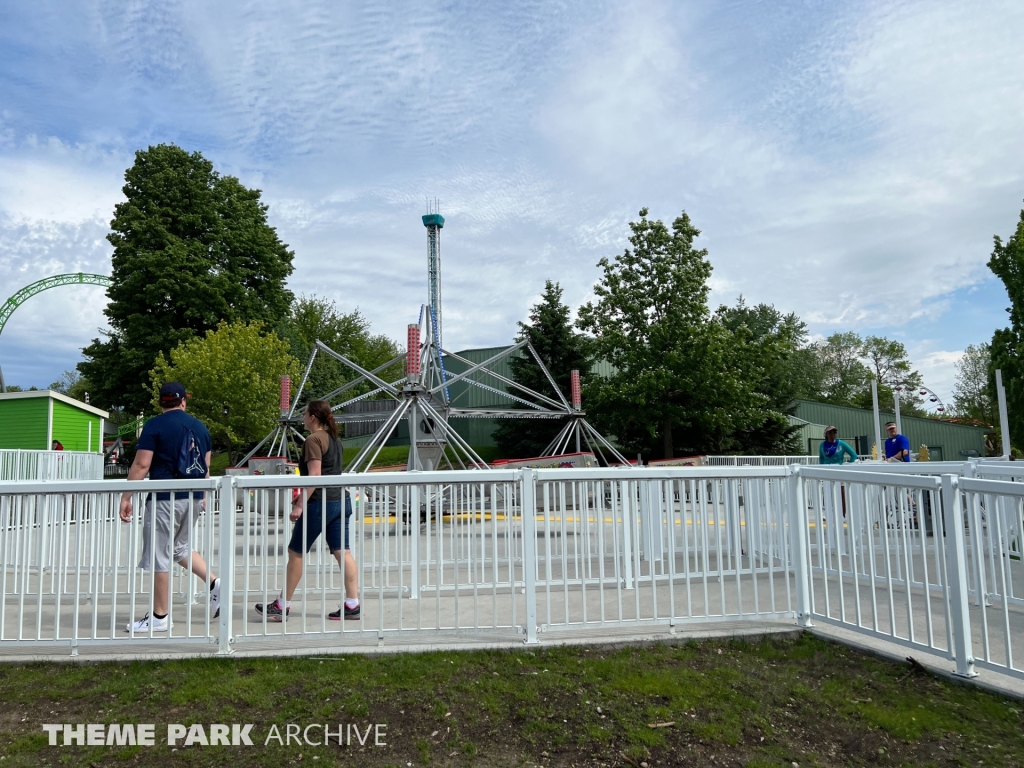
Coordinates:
[945,441]
[33,420]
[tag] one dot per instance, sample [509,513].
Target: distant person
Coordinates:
[167,442]
[56,446]
[834,450]
[897,447]
[321,456]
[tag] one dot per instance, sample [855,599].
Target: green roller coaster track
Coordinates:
[19,298]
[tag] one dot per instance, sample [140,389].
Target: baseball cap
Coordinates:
[171,393]
[830,429]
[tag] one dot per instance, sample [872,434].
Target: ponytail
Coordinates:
[321,411]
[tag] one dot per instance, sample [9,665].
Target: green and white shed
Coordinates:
[33,420]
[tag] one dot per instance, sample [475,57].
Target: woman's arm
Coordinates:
[314,467]
[850,452]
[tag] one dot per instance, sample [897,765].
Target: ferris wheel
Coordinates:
[923,391]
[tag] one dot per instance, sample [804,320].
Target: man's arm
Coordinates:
[139,470]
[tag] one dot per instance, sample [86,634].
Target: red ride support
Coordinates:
[412,354]
[574,383]
[286,394]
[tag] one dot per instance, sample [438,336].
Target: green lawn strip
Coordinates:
[767,703]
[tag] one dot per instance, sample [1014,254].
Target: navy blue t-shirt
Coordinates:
[894,445]
[163,435]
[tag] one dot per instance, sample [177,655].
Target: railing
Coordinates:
[71,567]
[759,461]
[17,464]
[931,562]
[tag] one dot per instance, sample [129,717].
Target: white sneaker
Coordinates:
[141,627]
[215,599]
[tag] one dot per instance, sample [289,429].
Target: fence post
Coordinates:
[527,505]
[644,511]
[628,495]
[414,542]
[956,562]
[226,507]
[798,546]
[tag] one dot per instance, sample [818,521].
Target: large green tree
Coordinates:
[563,350]
[771,343]
[1007,351]
[972,392]
[233,375]
[839,370]
[191,248]
[889,364]
[679,384]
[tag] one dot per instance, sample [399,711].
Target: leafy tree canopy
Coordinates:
[973,396]
[237,367]
[682,382]
[192,248]
[348,333]
[563,350]
[73,384]
[1007,351]
[774,369]
[839,370]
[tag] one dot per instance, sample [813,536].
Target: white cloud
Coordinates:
[847,162]
[881,195]
[45,180]
[938,368]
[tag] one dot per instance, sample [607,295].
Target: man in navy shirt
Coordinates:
[157,454]
[897,447]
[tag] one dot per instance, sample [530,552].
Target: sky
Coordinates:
[847,161]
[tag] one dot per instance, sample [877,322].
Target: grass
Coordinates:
[769,703]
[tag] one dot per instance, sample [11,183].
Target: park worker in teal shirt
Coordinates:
[833,450]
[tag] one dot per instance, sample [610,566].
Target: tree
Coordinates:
[1007,350]
[551,333]
[972,389]
[348,333]
[72,384]
[841,374]
[839,370]
[771,342]
[890,365]
[678,385]
[192,248]
[237,367]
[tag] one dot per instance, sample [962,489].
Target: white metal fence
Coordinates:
[931,562]
[17,464]
[759,461]
[71,566]
[926,561]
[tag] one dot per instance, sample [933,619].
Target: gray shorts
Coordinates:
[166,522]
